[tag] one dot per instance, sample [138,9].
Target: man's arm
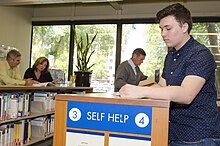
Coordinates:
[143,77]
[183,94]
[7,80]
[121,77]
[120,81]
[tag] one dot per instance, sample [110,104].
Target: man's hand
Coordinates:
[131,91]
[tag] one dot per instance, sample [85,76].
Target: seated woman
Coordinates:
[40,71]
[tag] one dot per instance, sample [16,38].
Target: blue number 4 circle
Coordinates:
[141,120]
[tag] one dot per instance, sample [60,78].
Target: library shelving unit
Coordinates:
[58,89]
[31,90]
[33,140]
[104,119]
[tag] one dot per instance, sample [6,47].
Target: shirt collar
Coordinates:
[133,66]
[7,65]
[131,63]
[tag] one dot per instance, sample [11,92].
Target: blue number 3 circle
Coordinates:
[74,114]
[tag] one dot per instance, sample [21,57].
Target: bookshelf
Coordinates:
[40,119]
[36,140]
[32,116]
[58,89]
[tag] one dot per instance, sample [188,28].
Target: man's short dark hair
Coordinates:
[139,51]
[181,14]
[12,54]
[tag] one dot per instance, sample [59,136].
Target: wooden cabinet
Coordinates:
[108,120]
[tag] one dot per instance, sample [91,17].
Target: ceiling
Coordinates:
[55,2]
[43,2]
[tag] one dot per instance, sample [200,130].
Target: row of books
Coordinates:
[14,105]
[21,132]
[42,126]
[43,102]
[14,134]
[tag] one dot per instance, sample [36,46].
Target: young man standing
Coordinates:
[188,81]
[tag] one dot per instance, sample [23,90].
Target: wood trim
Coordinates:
[104,98]
[160,122]
[60,123]
[106,139]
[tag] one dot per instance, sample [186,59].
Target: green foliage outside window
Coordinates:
[52,41]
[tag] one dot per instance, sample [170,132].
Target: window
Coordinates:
[53,43]
[104,56]
[147,37]
[209,35]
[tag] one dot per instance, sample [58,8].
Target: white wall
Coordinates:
[15,31]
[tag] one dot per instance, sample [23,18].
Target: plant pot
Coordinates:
[83,79]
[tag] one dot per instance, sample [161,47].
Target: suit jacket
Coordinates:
[125,75]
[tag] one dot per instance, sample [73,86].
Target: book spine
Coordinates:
[21,105]
[13,106]
[1,107]
[27,105]
[5,107]
[29,130]
[25,139]
[11,128]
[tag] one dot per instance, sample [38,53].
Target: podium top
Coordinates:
[111,98]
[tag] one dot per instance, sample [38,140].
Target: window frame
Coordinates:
[119,24]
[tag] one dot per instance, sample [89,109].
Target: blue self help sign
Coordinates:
[110,117]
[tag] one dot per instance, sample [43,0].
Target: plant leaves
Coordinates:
[84,52]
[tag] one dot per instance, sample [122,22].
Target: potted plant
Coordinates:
[84,53]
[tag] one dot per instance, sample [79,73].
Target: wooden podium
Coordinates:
[107,120]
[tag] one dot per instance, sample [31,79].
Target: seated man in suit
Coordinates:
[128,72]
[9,70]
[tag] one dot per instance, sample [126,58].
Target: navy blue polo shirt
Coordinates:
[201,118]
